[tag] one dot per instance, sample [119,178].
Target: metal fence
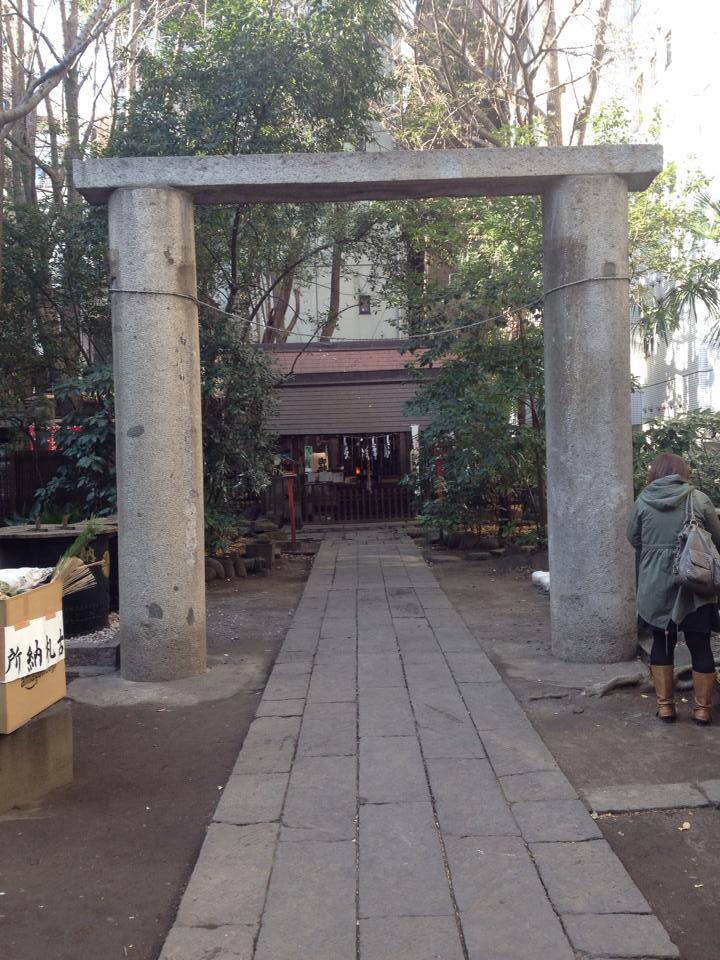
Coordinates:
[338,503]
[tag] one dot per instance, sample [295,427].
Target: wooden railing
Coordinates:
[345,503]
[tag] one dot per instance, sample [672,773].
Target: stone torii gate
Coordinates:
[157,367]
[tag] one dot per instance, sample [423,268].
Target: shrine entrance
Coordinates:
[157,367]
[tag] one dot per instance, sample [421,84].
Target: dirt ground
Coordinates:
[603,741]
[95,870]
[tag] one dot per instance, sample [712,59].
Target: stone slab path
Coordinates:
[393,802]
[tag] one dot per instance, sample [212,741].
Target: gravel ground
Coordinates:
[105,635]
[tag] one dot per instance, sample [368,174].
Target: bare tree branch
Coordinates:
[37,90]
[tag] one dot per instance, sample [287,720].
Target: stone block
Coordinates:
[329,647]
[379,670]
[339,628]
[262,550]
[443,619]
[301,639]
[297,667]
[228,884]
[472,666]
[711,789]
[544,785]
[377,615]
[368,598]
[377,638]
[620,936]
[444,727]
[310,910]
[341,604]
[551,821]
[468,800]
[644,796]
[252,798]
[322,800]
[414,636]
[587,878]
[280,708]
[401,867]
[404,603]
[455,639]
[385,712]
[200,943]
[269,745]
[492,706]
[284,687]
[504,910]
[428,670]
[329,730]
[434,599]
[517,750]
[288,656]
[378,175]
[460,742]
[417,938]
[334,679]
[391,769]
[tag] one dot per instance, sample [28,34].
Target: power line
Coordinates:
[427,334]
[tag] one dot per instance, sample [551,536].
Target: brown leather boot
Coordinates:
[704,684]
[663,680]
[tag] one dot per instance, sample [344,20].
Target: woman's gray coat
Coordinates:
[656,520]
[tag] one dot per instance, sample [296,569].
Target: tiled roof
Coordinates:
[341,361]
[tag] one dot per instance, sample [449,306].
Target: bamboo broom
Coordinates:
[75,574]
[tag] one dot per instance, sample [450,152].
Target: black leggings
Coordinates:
[663,650]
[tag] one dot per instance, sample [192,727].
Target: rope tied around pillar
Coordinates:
[437,332]
[576,283]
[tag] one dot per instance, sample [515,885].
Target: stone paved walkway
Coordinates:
[393,802]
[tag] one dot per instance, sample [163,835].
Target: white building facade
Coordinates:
[664,72]
[363,314]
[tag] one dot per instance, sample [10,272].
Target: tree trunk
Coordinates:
[598,56]
[71,88]
[333,316]
[554,98]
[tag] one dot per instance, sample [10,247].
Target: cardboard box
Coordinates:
[23,699]
[31,632]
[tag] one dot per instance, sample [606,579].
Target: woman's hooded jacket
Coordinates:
[656,520]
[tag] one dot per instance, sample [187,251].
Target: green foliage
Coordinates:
[669,224]
[84,485]
[488,426]
[481,266]
[237,398]
[54,302]
[259,77]
[254,76]
[693,436]
[492,253]
[239,77]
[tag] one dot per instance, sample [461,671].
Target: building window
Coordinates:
[364,304]
[668,49]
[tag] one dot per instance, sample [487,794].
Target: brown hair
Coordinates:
[667,464]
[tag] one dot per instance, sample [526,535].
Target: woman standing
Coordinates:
[666,606]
